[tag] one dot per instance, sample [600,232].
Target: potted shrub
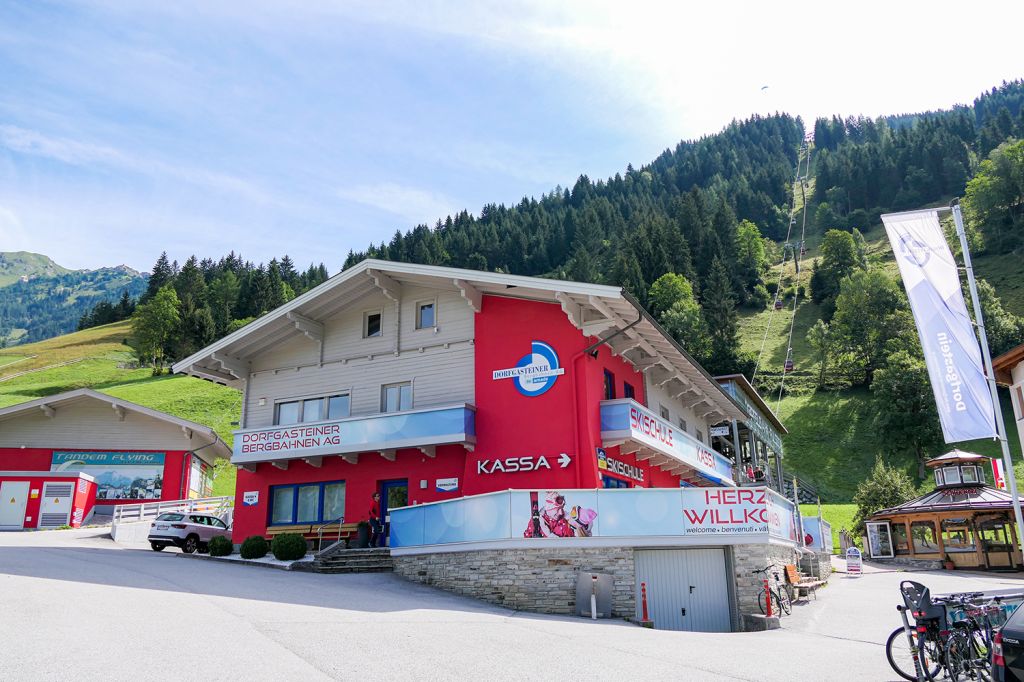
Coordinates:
[948,563]
[220,546]
[288,547]
[363,534]
[254,547]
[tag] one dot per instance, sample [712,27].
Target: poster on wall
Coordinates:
[119,475]
[554,514]
[200,480]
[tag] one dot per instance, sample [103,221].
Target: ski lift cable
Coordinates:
[797,257]
[782,265]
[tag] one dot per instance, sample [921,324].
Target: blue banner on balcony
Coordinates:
[439,426]
[626,419]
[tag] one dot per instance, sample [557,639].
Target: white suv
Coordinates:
[190,532]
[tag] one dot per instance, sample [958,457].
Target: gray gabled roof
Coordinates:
[210,439]
[597,310]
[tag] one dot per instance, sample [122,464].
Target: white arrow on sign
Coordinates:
[564,460]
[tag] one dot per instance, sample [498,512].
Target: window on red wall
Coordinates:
[628,391]
[609,385]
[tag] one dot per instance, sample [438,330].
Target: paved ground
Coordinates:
[75,605]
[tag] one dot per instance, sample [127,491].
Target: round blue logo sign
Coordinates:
[536,372]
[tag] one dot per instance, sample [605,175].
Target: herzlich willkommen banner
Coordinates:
[950,346]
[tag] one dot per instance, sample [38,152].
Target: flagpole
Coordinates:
[1010,477]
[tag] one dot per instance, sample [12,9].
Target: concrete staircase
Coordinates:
[341,560]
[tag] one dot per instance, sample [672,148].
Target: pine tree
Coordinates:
[161,275]
[719,309]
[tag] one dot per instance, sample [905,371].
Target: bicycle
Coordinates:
[969,646]
[782,598]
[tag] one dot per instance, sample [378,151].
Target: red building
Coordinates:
[112,451]
[428,383]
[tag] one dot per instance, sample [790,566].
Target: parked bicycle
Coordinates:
[960,648]
[782,599]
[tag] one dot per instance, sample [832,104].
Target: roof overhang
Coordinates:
[1004,364]
[752,393]
[210,442]
[596,310]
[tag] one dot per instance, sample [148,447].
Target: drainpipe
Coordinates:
[592,351]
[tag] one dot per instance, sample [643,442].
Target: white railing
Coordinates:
[144,511]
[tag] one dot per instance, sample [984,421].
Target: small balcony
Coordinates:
[638,431]
[384,433]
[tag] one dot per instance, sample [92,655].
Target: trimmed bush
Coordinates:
[254,547]
[288,546]
[220,546]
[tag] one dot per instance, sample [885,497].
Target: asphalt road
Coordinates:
[77,606]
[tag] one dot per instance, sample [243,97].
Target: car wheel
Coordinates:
[157,546]
[191,544]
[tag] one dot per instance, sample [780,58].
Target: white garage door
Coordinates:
[687,589]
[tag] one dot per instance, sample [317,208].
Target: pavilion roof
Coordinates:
[965,498]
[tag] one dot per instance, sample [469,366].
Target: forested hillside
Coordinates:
[40,299]
[712,237]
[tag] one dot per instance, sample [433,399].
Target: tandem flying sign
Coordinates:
[535,373]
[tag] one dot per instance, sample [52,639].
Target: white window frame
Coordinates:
[420,304]
[939,478]
[322,397]
[366,323]
[383,399]
[336,394]
[947,470]
[888,533]
[974,473]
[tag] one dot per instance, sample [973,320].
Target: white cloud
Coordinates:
[87,154]
[412,204]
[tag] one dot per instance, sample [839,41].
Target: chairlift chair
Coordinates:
[788,367]
[778,303]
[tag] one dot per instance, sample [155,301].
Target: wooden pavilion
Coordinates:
[963,523]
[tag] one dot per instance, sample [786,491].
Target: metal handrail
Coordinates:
[320,532]
[145,510]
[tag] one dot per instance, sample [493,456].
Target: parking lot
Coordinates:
[78,605]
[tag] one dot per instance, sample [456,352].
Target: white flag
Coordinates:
[950,346]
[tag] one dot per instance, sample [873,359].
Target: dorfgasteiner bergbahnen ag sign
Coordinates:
[951,349]
[536,372]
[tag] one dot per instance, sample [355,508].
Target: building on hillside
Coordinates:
[1009,369]
[962,523]
[755,442]
[433,385]
[117,452]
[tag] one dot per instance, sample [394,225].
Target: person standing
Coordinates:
[376,525]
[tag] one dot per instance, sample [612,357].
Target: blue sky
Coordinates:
[312,128]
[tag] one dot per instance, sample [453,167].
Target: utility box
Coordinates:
[598,585]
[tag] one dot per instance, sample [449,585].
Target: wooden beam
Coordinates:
[314,461]
[351,458]
[389,455]
[251,468]
[313,329]
[119,410]
[572,309]
[281,464]
[596,327]
[389,287]
[429,451]
[235,366]
[48,411]
[187,432]
[470,294]
[212,374]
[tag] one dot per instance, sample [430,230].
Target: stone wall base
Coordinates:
[541,580]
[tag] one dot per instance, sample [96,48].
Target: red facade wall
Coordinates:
[361,480]
[565,419]
[38,459]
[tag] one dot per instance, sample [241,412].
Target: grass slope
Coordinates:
[833,437]
[97,357]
